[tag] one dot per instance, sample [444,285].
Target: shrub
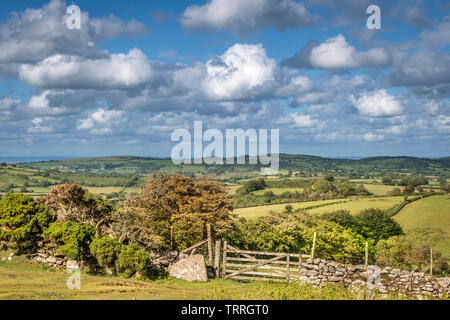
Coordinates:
[132,260]
[406,252]
[71,238]
[376,224]
[106,251]
[22,221]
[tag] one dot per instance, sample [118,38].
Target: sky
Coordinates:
[137,70]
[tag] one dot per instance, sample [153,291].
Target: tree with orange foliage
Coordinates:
[70,202]
[173,202]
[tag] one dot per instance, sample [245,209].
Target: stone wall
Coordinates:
[53,259]
[411,283]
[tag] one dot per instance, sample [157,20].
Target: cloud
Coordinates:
[241,72]
[38,128]
[336,53]
[442,124]
[370,136]
[304,121]
[101,121]
[240,16]
[37,34]
[421,69]
[119,71]
[377,104]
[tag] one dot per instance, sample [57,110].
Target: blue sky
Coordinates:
[138,70]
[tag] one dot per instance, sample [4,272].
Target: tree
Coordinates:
[70,202]
[3,164]
[288,209]
[376,224]
[386,180]
[22,221]
[329,177]
[173,202]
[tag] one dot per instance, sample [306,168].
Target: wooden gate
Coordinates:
[258,265]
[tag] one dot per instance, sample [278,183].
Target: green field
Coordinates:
[276,191]
[352,205]
[379,189]
[254,212]
[432,213]
[356,206]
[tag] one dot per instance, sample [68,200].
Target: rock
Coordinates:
[192,268]
[51,260]
[312,273]
[72,264]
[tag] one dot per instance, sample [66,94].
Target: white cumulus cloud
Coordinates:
[241,71]
[377,104]
[243,16]
[119,71]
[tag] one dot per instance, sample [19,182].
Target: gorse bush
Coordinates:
[123,259]
[22,221]
[106,251]
[70,238]
[132,260]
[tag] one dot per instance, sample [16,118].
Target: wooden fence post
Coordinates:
[210,250]
[431,261]
[224,262]
[366,263]
[299,265]
[288,266]
[314,245]
[171,237]
[217,258]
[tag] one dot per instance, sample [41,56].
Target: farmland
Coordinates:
[316,207]
[429,218]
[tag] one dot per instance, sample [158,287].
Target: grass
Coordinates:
[352,205]
[22,280]
[356,206]
[432,213]
[254,212]
[277,191]
[379,189]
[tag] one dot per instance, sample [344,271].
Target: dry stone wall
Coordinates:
[386,280]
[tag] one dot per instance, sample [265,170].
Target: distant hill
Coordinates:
[142,165]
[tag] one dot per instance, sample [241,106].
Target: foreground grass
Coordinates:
[23,280]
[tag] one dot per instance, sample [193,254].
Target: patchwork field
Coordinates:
[254,212]
[352,205]
[356,206]
[430,217]
[379,189]
[277,191]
